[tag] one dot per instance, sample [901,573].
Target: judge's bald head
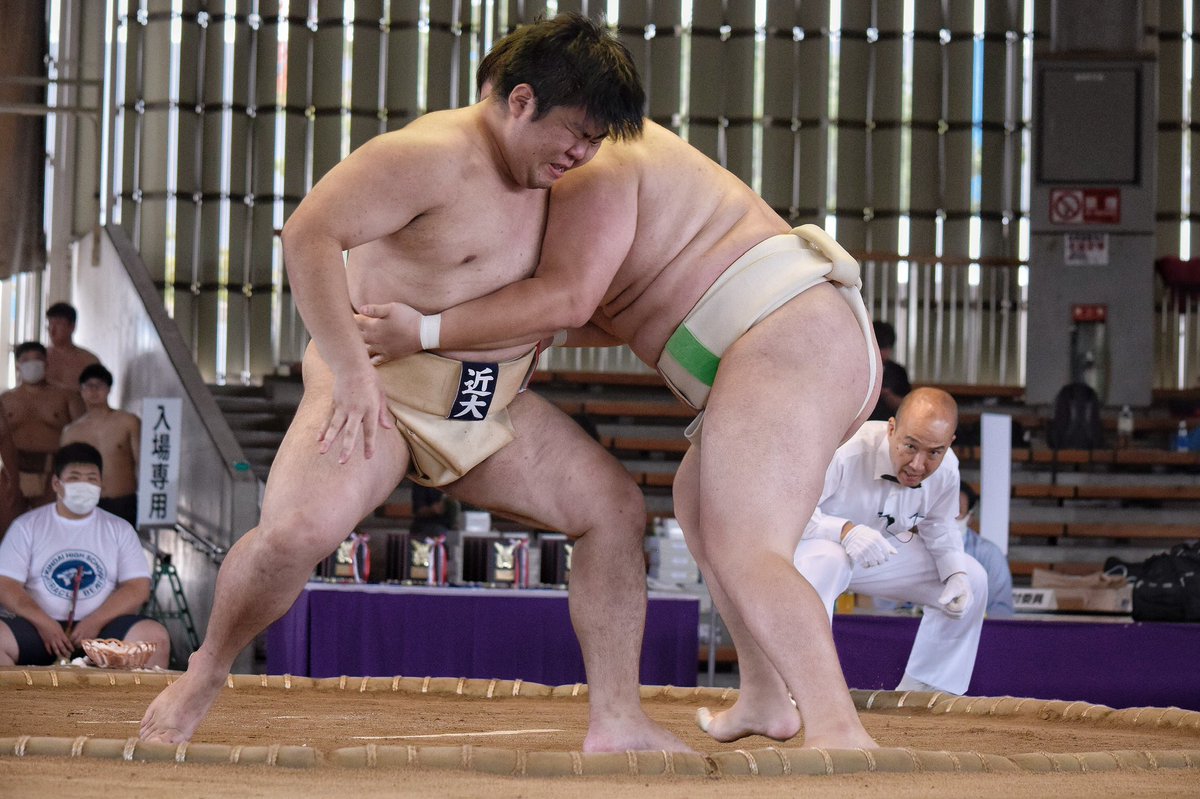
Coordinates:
[920,434]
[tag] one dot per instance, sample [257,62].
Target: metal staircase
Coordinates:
[259,417]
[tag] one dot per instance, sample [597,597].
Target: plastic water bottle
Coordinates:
[1125,426]
[1181,437]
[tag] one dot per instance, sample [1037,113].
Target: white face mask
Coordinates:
[32,371]
[962,524]
[81,498]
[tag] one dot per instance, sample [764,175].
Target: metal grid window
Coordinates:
[901,125]
[1177,357]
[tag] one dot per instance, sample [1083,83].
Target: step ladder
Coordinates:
[164,568]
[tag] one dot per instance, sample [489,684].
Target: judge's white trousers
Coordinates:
[943,654]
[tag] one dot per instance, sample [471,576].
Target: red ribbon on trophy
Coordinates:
[360,556]
[437,561]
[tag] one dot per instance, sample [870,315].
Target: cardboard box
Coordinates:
[1093,593]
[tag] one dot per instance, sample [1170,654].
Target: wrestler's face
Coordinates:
[917,443]
[32,367]
[60,330]
[95,392]
[545,149]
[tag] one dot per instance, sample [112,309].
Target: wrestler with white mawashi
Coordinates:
[758,325]
[446,209]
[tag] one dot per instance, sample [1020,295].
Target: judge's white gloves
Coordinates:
[866,546]
[956,597]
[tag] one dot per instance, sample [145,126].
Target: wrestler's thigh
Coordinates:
[784,396]
[307,484]
[553,475]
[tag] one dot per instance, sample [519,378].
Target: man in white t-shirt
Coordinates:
[71,571]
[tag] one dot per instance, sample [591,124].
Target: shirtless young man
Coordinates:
[65,360]
[118,436]
[36,413]
[633,244]
[449,208]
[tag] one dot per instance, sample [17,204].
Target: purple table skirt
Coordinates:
[1119,664]
[383,631]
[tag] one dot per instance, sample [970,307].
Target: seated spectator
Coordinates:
[895,377]
[36,413]
[64,360]
[117,434]
[70,571]
[990,556]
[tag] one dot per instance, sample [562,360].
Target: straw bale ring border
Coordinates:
[771,761]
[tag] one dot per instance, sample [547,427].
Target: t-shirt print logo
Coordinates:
[476,387]
[58,576]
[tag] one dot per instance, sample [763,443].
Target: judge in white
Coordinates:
[71,571]
[885,527]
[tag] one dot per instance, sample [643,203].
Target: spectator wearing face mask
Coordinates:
[990,556]
[36,413]
[70,571]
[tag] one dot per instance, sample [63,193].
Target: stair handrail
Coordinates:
[211,549]
[178,352]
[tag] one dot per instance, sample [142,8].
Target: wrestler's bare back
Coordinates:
[690,220]
[460,245]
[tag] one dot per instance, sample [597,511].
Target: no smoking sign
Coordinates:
[1085,206]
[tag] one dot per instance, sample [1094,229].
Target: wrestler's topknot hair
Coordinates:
[571,61]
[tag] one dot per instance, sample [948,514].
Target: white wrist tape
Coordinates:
[431,331]
[560,338]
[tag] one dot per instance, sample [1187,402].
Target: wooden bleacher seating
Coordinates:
[1142,456]
[639,409]
[634,431]
[642,424]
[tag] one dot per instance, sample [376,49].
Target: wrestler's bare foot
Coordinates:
[176,712]
[773,720]
[847,738]
[630,734]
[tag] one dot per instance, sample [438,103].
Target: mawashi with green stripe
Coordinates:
[698,360]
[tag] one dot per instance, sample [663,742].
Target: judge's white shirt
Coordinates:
[857,490]
[45,551]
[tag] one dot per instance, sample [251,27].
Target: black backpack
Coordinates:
[1076,423]
[1166,587]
